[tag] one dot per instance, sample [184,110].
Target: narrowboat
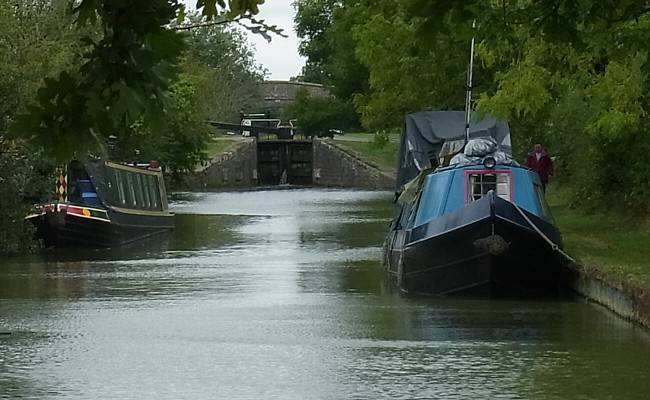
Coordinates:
[467,216]
[104,204]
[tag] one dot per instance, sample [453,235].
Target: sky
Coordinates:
[280,56]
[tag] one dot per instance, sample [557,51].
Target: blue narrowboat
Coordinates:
[467,216]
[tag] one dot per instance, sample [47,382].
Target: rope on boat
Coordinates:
[553,245]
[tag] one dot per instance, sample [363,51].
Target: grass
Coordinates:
[363,137]
[607,242]
[361,144]
[220,144]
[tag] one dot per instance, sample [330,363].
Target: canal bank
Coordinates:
[336,166]
[612,267]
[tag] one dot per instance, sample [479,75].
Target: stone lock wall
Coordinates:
[234,168]
[331,167]
[334,166]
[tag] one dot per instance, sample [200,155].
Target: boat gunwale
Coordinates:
[152,213]
[130,168]
[470,223]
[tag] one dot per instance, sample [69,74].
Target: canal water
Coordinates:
[281,295]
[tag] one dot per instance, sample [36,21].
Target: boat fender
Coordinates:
[400,273]
[493,244]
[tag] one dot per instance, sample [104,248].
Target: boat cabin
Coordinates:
[120,186]
[135,188]
[452,188]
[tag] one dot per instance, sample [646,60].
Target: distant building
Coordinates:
[278,94]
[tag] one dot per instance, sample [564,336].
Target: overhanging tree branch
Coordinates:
[257,26]
[187,27]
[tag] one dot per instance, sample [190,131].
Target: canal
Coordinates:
[280,295]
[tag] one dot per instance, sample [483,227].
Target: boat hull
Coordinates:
[486,245]
[57,228]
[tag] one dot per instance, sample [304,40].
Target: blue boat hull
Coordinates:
[486,244]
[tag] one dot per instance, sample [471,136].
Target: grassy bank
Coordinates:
[613,244]
[219,144]
[361,144]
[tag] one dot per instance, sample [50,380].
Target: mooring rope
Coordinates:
[553,245]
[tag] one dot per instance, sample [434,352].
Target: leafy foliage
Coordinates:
[33,46]
[318,116]
[578,92]
[124,76]
[380,139]
[181,144]
[234,79]
[325,28]
[23,180]
[572,75]
[218,78]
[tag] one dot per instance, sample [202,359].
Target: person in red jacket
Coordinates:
[539,161]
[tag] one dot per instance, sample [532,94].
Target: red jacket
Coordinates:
[543,166]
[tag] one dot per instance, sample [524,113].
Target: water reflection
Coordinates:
[281,295]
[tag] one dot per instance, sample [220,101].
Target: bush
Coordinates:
[379,139]
[24,179]
[318,116]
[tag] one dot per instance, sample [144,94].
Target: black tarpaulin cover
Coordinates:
[424,134]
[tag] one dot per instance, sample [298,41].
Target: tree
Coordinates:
[234,75]
[318,116]
[574,75]
[33,44]
[325,29]
[577,79]
[125,74]
[312,19]
[218,77]
[405,74]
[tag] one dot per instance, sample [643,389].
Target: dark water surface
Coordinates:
[280,295]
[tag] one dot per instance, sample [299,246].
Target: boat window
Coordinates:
[130,189]
[154,192]
[145,190]
[137,187]
[111,186]
[480,183]
[120,186]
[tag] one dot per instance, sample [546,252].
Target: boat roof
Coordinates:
[425,132]
[97,174]
[478,165]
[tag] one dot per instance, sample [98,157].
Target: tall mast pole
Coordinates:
[468,95]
